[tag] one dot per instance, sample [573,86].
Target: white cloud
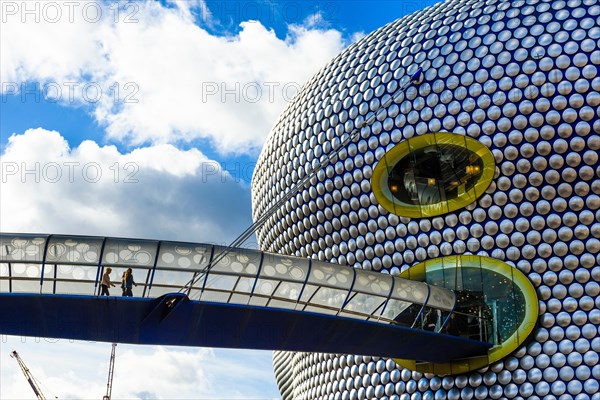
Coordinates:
[180,195]
[153,192]
[187,83]
[188,6]
[356,36]
[141,372]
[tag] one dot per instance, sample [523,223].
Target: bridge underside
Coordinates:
[176,320]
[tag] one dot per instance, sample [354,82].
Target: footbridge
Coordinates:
[195,294]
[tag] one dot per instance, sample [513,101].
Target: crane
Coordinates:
[36,388]
[32,381]
[111,371]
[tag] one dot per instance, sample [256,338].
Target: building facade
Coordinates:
[521,78]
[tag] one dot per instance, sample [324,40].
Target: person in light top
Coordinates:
[106,282]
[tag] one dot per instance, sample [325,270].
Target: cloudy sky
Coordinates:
[144,119]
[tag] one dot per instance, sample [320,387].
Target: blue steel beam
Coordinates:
[174,319]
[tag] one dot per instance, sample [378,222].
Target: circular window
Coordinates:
[432,174]
[496,303]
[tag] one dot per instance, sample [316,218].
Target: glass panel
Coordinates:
[162,289]
[174,279]
[461,168]
[327,274]
[259,301]
[394,308]
[80,272]
[472,304]
[518,310]
[472,279]
[183,255]
[435,174]
[288,305]
[194,293]
[221,282]
[239,299]
[490,307]
[446,275]
[245,284]
[407,315]
[308,292]
[216,297]
[74,250]
[26,271]
[3,269]
[372,282]
[142,278]
[284,268]
[73,262]
[81,288]
[138,291]
[441,298]
[430,320]
[265,287]
[128,252]
[48,285]
[140,274]
[330,298]
[412,291]
[22,248]
[504,304]
[288,290]
[364,303]
[4,286]
[49,271]
[25,286]
[239,261]
[432,174]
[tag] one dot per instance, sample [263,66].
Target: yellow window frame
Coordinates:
[382,170]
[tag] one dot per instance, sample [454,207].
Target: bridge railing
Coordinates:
[65,264]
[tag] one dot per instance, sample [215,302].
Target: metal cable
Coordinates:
[370,118]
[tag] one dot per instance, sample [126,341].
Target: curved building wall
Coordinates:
[521,78]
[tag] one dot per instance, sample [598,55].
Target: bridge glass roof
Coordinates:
[60,264]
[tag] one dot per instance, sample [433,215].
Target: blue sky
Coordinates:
[346,16]
[185,93]
[75,120]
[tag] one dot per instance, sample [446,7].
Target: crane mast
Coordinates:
[28,376]
[111,371]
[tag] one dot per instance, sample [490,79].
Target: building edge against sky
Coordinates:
[521,78]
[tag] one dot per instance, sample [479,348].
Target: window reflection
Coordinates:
[435,174]
[490,307]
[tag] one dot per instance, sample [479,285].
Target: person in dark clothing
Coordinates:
[452,327]
[129,283]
